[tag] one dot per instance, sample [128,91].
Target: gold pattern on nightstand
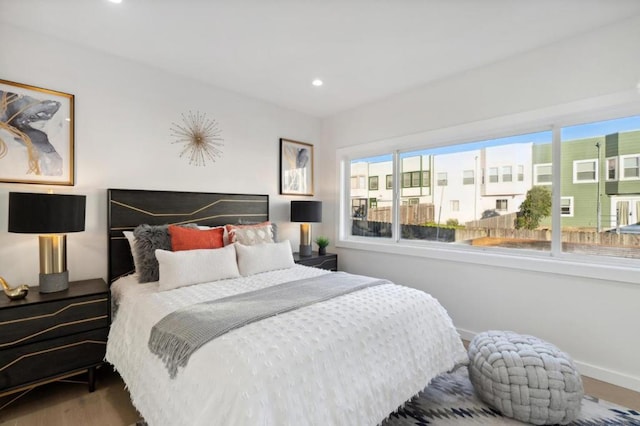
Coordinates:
[70,345]
[331,261]
[53,314]
[65,324]
[19,292]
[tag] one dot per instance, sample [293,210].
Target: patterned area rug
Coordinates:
[450,400]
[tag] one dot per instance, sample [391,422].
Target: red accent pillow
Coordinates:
[192,239]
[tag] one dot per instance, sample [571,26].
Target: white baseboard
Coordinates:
[589,370]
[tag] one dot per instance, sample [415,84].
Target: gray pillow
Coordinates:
[148,239]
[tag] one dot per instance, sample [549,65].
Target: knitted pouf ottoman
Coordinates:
[525,378]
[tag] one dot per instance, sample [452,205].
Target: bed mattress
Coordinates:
[351,360]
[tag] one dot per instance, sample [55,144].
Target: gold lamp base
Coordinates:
[53,263]
[305,239]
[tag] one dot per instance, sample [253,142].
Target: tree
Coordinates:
[536,206]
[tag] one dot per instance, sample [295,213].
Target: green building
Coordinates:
[600,180]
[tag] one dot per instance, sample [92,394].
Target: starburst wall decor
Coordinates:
[200,136]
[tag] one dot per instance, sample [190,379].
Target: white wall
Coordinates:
[123,115]
[595,320]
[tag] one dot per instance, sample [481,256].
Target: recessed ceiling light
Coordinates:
[116,1]
[317,82]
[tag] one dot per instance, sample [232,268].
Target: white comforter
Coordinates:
[351,360]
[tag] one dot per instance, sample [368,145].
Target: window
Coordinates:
[467,177]
[588,218]
[589,213]
[630,166]
[493,174]
[357,182]
[507,173]
[542,174]
[415,179]
[373,183]
[411,179]
[566,206]
[359,208]
[612,168]
[585,171]
[442,178]
[389,182]
[414,201]
[370,217]
[406,180]
[426,178]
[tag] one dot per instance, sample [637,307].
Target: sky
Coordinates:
[581,131]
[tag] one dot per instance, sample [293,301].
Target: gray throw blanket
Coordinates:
[178,335]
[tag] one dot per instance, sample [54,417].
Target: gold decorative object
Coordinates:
[16,293]
[200,137]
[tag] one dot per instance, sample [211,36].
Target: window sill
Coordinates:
[619,270]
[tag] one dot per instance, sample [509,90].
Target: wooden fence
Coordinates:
[415,214]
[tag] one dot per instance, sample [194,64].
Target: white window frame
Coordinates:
[571,207]
[490,174]
[558,262]
[446,178]
[536,174]
[607,178]
[595,169]
[506,202]
[455,205]
[621,167]
[520,173]
[465,178]
[510,174]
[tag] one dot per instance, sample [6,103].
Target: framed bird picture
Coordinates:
[296,168]
[36,135]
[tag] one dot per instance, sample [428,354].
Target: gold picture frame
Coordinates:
[36,135]
[296,168]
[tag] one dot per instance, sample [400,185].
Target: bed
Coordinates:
[352,359]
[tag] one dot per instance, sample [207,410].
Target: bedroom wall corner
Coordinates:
[594,320]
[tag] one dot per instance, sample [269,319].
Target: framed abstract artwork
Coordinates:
[36,135]
[296,168]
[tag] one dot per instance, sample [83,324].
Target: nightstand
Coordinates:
[325,261]
[48,337]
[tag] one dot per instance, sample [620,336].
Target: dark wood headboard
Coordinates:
[129,208]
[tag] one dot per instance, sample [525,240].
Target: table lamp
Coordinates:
[51,215]
[306,212]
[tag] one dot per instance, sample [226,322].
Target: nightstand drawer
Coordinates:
[38,361]
[33,323]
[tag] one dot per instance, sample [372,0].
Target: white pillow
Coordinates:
[181,268]
[132,245]
[264,257]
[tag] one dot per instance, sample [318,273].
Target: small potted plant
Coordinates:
[322,243]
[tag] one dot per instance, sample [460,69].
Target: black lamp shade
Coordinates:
[31,213]
[306,211]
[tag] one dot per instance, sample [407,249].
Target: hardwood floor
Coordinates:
[70,404]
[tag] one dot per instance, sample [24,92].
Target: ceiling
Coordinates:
[272,49]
